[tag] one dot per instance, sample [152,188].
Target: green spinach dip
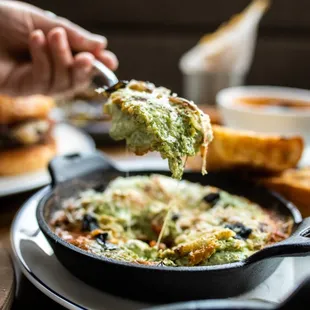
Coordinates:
[206,225]
[150,118]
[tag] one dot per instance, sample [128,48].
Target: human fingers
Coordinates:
[108,58]
[62,60]
[82,71]
[41,64]
[79,38]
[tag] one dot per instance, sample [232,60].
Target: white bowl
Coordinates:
[280,121]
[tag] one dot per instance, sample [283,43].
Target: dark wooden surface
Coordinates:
[150,36]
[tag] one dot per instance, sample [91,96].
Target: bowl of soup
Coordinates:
[266,109]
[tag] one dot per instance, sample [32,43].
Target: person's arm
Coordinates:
[42,53]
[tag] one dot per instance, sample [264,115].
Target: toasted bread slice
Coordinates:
[294,185]
[249,151]
[232,149]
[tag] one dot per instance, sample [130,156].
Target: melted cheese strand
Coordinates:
[185,161]
[205,143]
[170,204]
[204,146]
[127,155]
[161,234]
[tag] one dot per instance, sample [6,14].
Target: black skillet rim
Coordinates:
[296,215]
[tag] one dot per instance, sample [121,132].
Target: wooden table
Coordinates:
[27,295]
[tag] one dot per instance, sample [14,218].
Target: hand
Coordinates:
[36,52]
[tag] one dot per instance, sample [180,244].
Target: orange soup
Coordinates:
[261,102]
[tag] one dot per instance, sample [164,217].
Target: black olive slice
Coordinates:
[212,198]
[175,217]
[119,85]
[242,232]
[89,223]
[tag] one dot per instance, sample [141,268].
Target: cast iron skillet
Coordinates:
[298,300]
[74,173]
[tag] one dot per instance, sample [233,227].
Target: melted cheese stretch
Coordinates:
[154,104]
[152,119]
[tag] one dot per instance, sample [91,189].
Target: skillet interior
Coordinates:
[224,181]
[161,284]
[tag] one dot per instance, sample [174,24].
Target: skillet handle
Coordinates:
[298,244]
[71,166]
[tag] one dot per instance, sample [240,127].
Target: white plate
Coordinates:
[69,140]
[37,261]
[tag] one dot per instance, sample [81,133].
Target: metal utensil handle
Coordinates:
[110,78]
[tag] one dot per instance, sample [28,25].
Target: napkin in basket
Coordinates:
[231,47]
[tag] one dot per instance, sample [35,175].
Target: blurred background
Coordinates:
[149,37]
[268,44]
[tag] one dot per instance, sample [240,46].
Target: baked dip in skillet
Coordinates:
[154,238]
[205,225]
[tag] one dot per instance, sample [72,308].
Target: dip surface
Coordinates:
[206,226]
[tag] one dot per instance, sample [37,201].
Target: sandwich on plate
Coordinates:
[26,142]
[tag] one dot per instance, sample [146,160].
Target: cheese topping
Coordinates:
[153,119]
[205,225]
